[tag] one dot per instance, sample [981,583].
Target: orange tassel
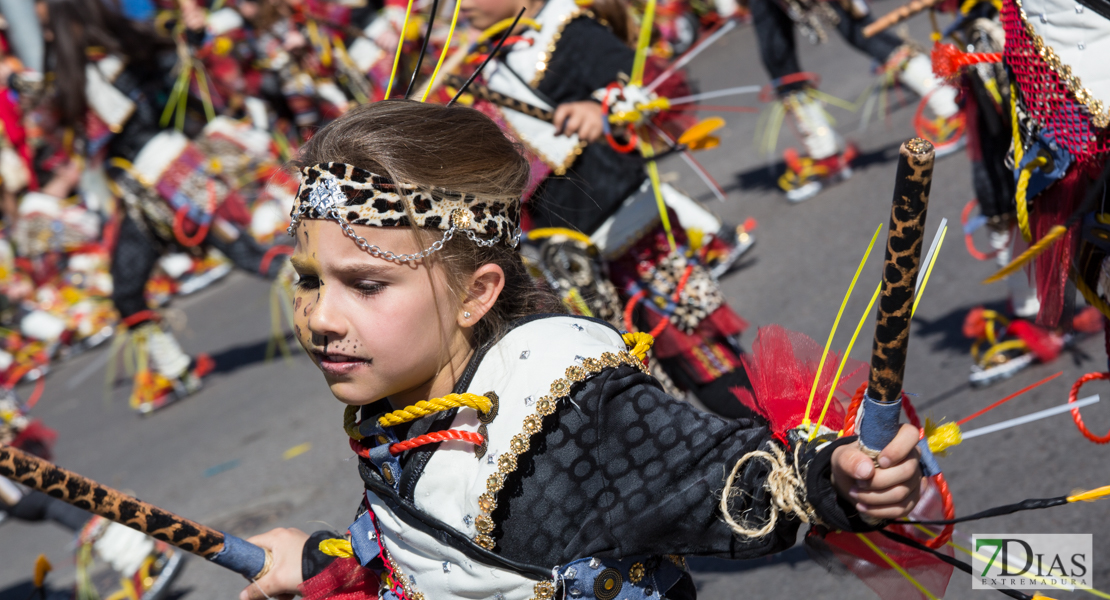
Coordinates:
[948,60]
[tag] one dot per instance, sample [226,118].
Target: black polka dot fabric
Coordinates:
[626,470]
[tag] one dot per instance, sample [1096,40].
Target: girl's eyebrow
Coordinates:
[361,270]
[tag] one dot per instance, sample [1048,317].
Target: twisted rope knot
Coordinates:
[785,482]
[638,343]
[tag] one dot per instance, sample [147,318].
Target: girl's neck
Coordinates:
[444,381]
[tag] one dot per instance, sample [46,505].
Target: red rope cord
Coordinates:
[271,254]
[1073,397]
[965,216]
[422,440]
[631,306]
[202,230]
[140,317]
[632,139]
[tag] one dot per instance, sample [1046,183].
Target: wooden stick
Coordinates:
[223,549]
[898,15]
[892,327]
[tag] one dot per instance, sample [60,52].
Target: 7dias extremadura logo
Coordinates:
[1031,561]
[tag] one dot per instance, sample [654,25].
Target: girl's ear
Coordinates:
[482,292]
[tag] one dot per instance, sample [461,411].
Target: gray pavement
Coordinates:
[218,457]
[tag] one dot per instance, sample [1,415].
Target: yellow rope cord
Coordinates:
[1002,347]
[638,343]
[546,232]
[642,43]
[443,55]
[839,313]
[503,24]
[350,423]
[1089,295]
[1019,196]
[400,45]
[337,547]
[894,565]
[1032,252]
[427,407]
[653,175]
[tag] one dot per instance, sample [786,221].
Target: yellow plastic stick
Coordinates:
[642,44]
[653,174]
[443,55]
[840,313]
[928,272]
[897,567]
[400,45]
[844,359]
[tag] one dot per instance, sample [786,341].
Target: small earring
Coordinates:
[466,315]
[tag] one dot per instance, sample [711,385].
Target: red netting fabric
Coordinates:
[876,572]
[1044,95]
[782,366]
[343,579]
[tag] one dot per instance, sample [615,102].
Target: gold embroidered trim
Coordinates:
[545,55]
[1100,117]
[558,169]
[507,463]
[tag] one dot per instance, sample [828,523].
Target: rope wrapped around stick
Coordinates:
[786,484]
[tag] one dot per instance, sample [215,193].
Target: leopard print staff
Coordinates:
[221,548]
[878,421]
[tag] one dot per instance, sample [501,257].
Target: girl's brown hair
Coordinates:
[454,148]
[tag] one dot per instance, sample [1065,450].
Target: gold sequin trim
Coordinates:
[1100,117]
[400,577]
[636,573]
[559,169]
[507,463]
[545,56]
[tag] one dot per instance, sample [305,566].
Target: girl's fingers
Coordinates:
[892,495]
[889,511]
[901,447]
[903,472]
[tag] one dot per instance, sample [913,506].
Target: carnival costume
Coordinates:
[601,193]
[546,421]
[826,158]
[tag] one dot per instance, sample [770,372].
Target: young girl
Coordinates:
[508,452]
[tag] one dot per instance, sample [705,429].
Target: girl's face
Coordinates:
[481,14]
[376,329]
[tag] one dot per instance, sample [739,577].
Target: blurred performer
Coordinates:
[586,180]
[119,76]
[145,567]
[826,158]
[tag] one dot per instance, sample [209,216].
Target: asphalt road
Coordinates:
[221,457]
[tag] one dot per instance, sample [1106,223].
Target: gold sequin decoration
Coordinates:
[484,524]
[544,590]
[543,57]
[1100,117]
[545,406]
[636,573]
[520,443]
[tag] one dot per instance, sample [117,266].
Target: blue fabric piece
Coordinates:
[929,464]
[1044,142]
[878,422]
[380,456]
[364,538]
[138,10]
[240,556]
[584,578]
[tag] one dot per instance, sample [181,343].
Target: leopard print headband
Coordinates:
[353,196]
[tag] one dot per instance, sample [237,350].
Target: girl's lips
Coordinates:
[340,364]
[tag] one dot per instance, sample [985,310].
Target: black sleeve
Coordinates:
[587,57]
[313,562]
[627,470]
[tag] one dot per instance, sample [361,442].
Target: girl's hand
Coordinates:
[583,118]
[280,583]
[889,491]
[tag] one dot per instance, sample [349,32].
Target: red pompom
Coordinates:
[1089,320]
[946,60]
[975,326]
[1044,343]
